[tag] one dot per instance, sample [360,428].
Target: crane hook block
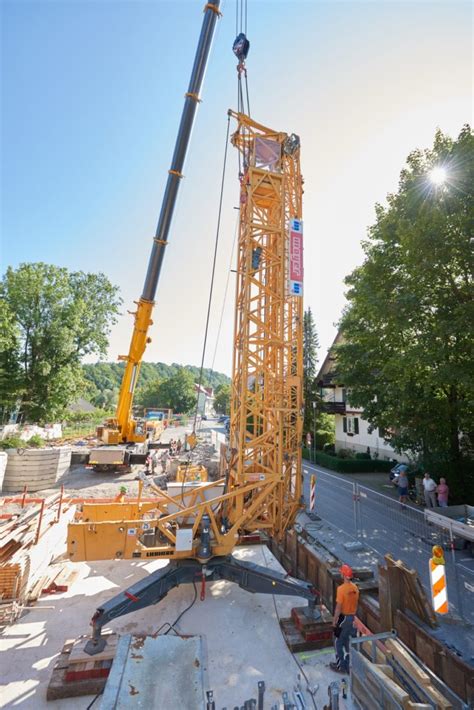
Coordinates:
[241,47]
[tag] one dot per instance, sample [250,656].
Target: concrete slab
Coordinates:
[240,631]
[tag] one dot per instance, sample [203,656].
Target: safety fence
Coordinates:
[383,524]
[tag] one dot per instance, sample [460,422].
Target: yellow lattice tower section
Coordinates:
[266,408]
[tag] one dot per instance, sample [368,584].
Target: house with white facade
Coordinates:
[352,431]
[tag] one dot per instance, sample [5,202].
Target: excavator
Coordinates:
[196,526]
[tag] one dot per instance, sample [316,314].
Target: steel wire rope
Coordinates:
[211,288]
[225,293]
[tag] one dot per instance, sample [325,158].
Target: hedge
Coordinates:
[349,465]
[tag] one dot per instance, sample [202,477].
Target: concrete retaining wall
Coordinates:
[36,468]
[3,465]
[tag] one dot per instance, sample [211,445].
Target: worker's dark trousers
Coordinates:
[343,642]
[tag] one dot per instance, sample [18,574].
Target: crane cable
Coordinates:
[211,288]
[224,300]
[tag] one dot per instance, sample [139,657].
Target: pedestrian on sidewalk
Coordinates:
[403,487]
[429,487]
[347,599]
[442,491]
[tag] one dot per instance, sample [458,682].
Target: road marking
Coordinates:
[469,587]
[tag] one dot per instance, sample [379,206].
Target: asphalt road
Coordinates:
[383,525]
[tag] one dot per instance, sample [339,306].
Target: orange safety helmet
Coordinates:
[346,571]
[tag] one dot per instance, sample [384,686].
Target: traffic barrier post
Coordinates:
[439,589]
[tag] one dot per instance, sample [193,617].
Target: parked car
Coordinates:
[411,471]
[396,471]
[222,419]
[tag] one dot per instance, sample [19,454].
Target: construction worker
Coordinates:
[347,599]
[120,497]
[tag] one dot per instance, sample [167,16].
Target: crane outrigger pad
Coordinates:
[152,589]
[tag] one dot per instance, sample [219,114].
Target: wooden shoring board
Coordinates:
[413,594]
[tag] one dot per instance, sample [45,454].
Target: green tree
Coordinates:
[148,394]
[407,356]
[10,371]
[177,392]
[60,317]
[222,399]
[310,360]
[102,376]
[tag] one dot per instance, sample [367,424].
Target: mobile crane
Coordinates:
[198,529]
[127,439]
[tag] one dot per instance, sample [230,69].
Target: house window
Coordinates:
[350,425]
[382,432]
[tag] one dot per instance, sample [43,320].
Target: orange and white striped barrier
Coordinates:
[312,492]
[439,589]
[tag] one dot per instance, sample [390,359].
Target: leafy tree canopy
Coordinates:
[407,355]
[57,317]
[222,399]
[178,392]
[104,378]
[310,360]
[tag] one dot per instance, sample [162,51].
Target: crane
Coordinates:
[123,428]
[197,530]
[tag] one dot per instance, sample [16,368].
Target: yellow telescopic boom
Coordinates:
[124,428]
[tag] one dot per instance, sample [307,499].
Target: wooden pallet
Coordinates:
[303,634]
[75,673]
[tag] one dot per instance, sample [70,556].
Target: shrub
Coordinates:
[35,441]
[345,465]
[345,453]
[12,442]
[362,455]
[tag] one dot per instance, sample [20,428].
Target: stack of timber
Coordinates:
[29,539]
[75,673]
[35,468]
[397,680]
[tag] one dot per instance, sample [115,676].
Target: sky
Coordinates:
[92,93]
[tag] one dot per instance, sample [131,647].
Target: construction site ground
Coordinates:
[241,635]
[242,639]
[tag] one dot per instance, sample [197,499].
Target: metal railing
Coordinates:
[383,524]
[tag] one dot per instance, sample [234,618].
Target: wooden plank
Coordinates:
[385,600]
[398,693]
[438,698]
[406,661]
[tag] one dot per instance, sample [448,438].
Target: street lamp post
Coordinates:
[314,429]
